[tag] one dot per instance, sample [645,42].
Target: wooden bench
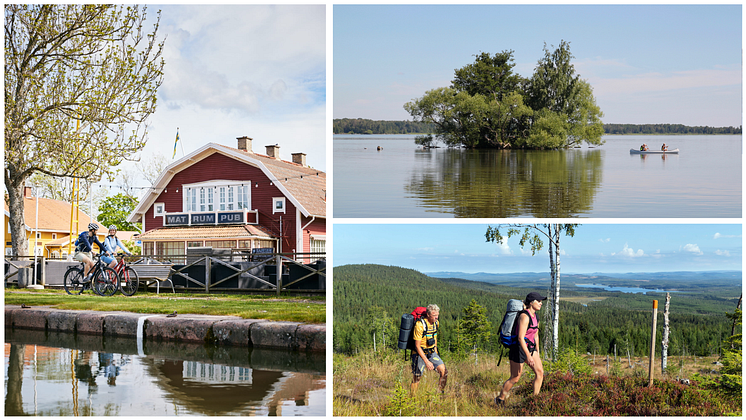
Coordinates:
[154,273]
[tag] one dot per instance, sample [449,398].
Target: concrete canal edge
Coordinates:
[221,330]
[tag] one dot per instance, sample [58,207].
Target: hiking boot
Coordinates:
[499,402]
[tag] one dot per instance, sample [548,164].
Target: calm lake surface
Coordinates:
[404,181]
[64,375]
[624,289]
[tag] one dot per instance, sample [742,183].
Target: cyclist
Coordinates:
[111,243]
[84,248]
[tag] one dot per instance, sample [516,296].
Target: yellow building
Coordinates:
[53,234]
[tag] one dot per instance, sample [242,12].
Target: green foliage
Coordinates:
[732,360]
[668,129]
[489,106]
[569,361]
[401,404]
[363,126]
[114,211]
[616,318]
[474,327]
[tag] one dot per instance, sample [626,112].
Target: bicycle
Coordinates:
[105,281]
[129,281]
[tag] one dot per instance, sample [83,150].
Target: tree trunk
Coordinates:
[664,344]
[549,315]
[19,239]
[555,317]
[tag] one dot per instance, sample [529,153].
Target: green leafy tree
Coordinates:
[732,359]
[531,235]
[114,211]
[474,327]
[489,106]
[562,96]
[80,84]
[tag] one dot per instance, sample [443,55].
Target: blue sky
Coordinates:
[647,64]
[608,248]
[242,70]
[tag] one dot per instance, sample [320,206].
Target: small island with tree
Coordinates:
[488,105]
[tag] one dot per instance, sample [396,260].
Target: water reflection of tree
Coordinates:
[14,381]
[491,183]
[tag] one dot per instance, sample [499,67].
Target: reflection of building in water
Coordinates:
[212,373]
[213,389]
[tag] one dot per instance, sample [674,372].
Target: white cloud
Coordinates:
[693,248]
[604,240]
[718,235]
[503,248]
[722,253]
[629,252]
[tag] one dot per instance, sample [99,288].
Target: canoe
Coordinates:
[654,152]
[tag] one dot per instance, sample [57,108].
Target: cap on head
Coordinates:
[535,296]
[112,227]
[92,226]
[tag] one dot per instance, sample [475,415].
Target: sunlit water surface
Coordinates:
[87,376]
[403,180]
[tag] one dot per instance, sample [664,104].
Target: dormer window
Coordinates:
[278,205]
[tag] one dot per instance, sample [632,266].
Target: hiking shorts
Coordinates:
[516,354]
[418,365]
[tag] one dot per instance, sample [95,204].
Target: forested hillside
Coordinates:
[365,126]
[370,299]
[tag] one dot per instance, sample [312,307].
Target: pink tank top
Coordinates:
[531,332]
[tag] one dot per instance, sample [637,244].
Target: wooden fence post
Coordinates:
[652,344]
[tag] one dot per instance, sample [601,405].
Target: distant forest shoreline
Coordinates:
[364,126]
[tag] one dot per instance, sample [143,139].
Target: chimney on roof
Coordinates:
[299,158]
[28,192]
[273,151]
[244,143]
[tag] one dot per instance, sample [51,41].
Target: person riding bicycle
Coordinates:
[111,243]
[84,248]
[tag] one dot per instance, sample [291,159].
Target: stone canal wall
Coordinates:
[221,330]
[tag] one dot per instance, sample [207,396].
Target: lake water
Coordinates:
[65,375]
[405,181]
[624,289]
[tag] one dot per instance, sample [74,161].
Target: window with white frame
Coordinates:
[159,209]
[278,205]
[318,245]
[217,196]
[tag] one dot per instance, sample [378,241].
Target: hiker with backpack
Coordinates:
[425,352]
[525,335]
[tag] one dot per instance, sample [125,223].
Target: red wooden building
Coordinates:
[224,197]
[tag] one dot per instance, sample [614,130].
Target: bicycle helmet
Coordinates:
[113,227]
[92,226]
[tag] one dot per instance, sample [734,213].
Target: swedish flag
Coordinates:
[175,142]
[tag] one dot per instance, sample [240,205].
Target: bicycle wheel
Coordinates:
[73,281]
[129,281]
[106,282]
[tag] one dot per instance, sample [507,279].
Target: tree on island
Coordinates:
[490,106]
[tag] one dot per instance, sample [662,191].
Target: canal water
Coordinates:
[404,181]
[59,374]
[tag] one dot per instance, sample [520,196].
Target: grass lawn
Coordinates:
[283,308]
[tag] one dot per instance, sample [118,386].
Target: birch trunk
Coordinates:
[555,317]
[664,344]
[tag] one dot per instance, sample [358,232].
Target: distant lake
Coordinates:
[404,181]
[624,289]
